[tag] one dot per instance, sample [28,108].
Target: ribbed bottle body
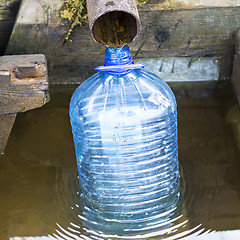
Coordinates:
[125,135]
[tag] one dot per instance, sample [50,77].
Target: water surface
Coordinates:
[39,194]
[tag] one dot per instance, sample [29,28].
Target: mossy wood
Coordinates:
[169,28]
[198,32]
[24,86]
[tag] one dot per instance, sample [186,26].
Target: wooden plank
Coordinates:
[6,123]
[23,86]
[156,5]
[194,29]
[204,32]
[24,83]
[169,28]
[39,28]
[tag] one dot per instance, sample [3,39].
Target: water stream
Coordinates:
[39,193]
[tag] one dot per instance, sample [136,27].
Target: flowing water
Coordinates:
[39,194]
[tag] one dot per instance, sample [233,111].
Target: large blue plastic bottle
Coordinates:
[124,123]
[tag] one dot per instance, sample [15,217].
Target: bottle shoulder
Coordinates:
[136,87]
[136,76]
[85,86]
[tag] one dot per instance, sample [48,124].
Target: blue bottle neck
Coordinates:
[118,56]
[118,61]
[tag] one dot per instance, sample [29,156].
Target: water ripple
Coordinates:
[84,224]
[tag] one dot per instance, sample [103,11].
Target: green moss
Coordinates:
[76,12]
[140,2]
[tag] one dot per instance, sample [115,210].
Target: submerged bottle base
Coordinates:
[133,221]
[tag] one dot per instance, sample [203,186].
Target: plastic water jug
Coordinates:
[124,124]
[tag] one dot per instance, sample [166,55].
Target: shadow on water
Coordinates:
[39,190]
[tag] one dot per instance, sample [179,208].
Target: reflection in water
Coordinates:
[39,190]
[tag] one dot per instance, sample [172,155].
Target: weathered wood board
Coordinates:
[23,86]
[39,29]
[6,124]
[154,5]
[24,83]
[195,32]
[169,28]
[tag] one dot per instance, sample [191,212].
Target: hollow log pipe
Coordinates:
[23,86]
[113,23]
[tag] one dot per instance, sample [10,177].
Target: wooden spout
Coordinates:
[113,23]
